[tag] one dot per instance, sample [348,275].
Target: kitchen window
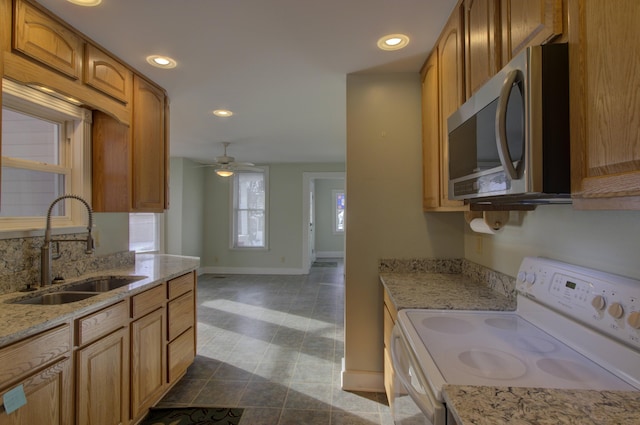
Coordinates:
[249,209]
[339,203]
[145,233]
[43,145]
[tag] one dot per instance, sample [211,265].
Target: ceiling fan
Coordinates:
[227,165]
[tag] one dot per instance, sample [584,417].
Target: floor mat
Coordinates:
[193,415]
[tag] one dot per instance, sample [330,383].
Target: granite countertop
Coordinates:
[450,291]
[22,320]
[541,406]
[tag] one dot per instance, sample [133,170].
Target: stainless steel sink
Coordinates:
[55,298]
[103,284]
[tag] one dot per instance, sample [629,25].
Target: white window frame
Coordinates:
[77,120]
[232,212]
[334,210]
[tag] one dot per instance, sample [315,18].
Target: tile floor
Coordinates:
[273,345]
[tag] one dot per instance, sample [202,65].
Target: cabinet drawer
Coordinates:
[22,357]
[101,323]
[180,354]
[147,301]
[180,313]
[180,285]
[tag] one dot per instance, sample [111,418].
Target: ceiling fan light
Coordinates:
[224,172]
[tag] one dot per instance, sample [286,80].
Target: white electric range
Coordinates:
[574,328]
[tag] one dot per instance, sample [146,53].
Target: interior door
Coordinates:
[312,209]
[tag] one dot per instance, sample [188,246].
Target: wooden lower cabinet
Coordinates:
[42,366]
[102,381]
[107,367]
[48,397]
[148,361]
[390,315]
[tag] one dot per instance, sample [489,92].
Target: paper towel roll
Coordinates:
[479,225]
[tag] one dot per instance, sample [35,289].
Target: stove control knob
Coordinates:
[616,311]
[634,320]
[598,302]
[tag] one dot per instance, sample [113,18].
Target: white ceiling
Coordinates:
[279,65]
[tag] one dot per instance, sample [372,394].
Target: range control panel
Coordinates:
[607,302]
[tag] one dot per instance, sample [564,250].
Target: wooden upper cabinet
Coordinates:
[104,73]
[149,147]
[430,134]
[605,106]
[452,94]
[482,42]
[111,164]
[528,23]
[47,40]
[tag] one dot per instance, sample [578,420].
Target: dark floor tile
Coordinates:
[273,345]
[260,416]
[220,394]
[263,394]
[306,417]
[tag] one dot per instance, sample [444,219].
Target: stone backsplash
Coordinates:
[20,260]
[499,282]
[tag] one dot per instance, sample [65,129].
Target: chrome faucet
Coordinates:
[45,252]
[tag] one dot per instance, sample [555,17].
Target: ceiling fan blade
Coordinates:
[242,164]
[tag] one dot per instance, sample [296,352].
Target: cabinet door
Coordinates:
[149,147]
[49,398]
[111,164]
[148,361]
[528,23]
[605,118]
[40,37]
[451,74]
[482,38]
[430,134]
[104,73]
[102,381]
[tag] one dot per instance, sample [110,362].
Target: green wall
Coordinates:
[284,254]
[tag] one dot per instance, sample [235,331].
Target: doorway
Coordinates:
[309,219]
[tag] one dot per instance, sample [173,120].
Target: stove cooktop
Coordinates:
[498,349]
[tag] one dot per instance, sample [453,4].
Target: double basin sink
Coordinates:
[80,291]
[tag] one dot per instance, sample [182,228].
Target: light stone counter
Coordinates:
[538,406]
[22,320]
[442,291]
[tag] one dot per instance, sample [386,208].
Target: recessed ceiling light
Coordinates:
[85,2]
[393,42]
[222,113]
[161,61]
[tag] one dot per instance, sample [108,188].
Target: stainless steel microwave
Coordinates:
[509,142]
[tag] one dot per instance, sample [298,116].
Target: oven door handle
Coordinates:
[426,402]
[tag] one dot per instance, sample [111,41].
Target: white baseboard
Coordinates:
[330,254]
[251,270]
[358,380]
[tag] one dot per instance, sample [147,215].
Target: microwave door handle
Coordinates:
[501,125]
[424,401]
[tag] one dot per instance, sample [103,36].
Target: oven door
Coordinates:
[412,401]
